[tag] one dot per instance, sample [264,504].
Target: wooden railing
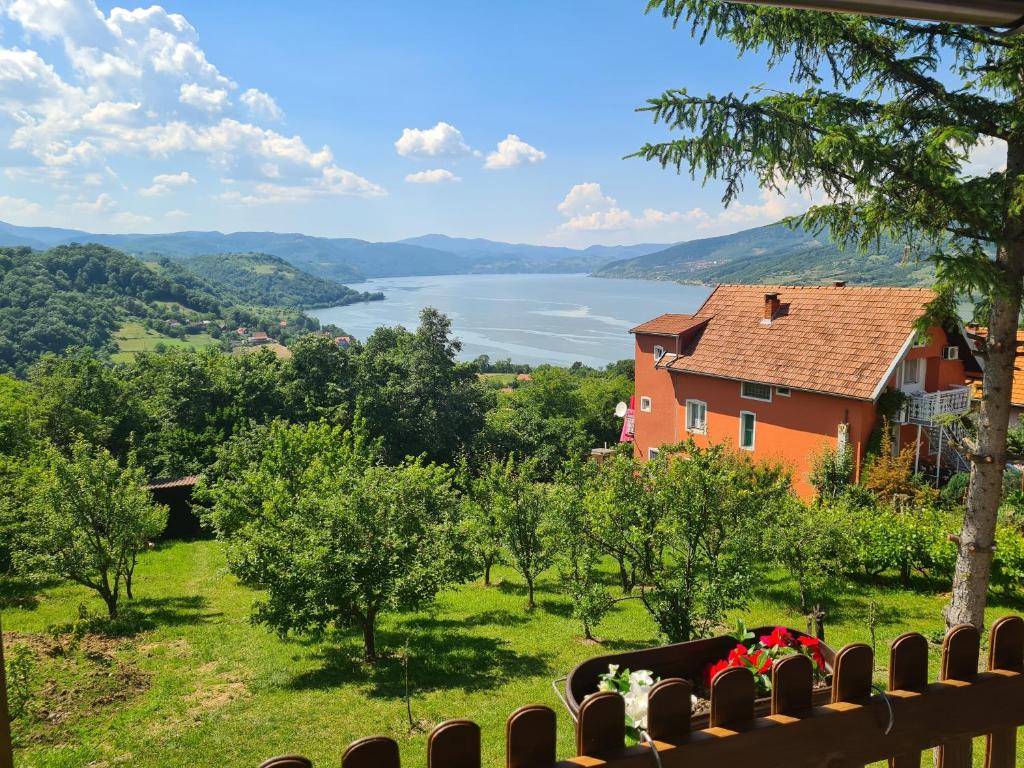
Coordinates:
[860,726]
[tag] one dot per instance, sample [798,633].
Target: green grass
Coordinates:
[504,379]
[133,337]
[216,690]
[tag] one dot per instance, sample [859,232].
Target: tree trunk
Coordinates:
[627,584]
[487,572]
[111,600]
[128,580]
[530,604]
[369,639]
[974,550]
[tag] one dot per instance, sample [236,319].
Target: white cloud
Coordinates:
[162,183]
[261,104]
[443,140]
[176,213]
[103,203]
[137,84]
[128,219]
[18,210]
[201,97]
[512,151]
[588,209]
[433,176]
[985,157]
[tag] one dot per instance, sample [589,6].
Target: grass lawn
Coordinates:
[200,686]
[135,337]
[504,379]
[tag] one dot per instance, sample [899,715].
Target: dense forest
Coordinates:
[79,295]
[259,278]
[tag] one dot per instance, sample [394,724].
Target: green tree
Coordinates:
[577,551]
[706,550]
[415,395]
[519,505]
[882,119]
[319,380]
[89,520]
[336,538]
[832,473]
[481,524]
[816,544]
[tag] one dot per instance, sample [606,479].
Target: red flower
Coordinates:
[812,647]
[737,653]
[714,669]
[761,662]
[779,638]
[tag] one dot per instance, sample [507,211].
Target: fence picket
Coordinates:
[530,736]
[732,698]
[601,729]
[1005,652]
[669,707]
[792,680]
[287,761]
[454,744]
[908,671]
[371,752]
[959,662]
[851,673]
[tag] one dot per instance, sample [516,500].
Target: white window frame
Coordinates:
[753,431]
[652,453]
[768,399]
[784,391]
[690,428]
[649,403]
[659,352]
[916,362]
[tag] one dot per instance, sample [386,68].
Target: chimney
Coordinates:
[839,284]
[771,306]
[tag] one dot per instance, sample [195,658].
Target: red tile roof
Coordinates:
[837,340]
[667,325]
[1017,388]
[181,482]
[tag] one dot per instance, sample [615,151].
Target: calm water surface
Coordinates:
[529,318]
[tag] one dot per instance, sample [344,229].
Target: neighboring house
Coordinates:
[1017,390]
[260,337]
[785,371]
[343,341]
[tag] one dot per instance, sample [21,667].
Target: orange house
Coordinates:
[786,371]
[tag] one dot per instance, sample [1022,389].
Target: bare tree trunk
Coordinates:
[369,639]
[974,549]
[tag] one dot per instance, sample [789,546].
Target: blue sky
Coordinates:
[370,120]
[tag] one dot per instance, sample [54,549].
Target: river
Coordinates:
[530,318]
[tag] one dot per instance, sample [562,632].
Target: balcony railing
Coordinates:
[926,407]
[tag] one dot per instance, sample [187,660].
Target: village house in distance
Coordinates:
[786,371]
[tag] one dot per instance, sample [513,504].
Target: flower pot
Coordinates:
[687,660]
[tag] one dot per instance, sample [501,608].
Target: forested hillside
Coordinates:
[79,295]
[774,254]
[259,278]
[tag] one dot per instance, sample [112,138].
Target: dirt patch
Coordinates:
[63,680]
[210,697]
[176,649]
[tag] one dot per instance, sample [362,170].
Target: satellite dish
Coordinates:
[620,410]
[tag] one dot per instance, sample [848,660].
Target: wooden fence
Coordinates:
[860,726]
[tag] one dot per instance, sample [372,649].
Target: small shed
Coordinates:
[176,493]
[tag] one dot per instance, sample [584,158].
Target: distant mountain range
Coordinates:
[345,259]
[773,254]
[770,254]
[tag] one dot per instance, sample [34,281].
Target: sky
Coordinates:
[376,120]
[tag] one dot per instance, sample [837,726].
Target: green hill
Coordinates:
[773,254]
[259,278]
[78,295]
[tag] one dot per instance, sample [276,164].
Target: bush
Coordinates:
[907,541]
[832,472]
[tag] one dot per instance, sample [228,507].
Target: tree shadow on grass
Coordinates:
[441,657]
[175,611]
[21,593]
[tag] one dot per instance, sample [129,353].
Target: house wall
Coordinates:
[791,430]
[658,427]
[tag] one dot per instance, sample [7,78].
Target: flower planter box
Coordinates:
[686,660]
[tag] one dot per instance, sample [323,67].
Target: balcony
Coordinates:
[926,407]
